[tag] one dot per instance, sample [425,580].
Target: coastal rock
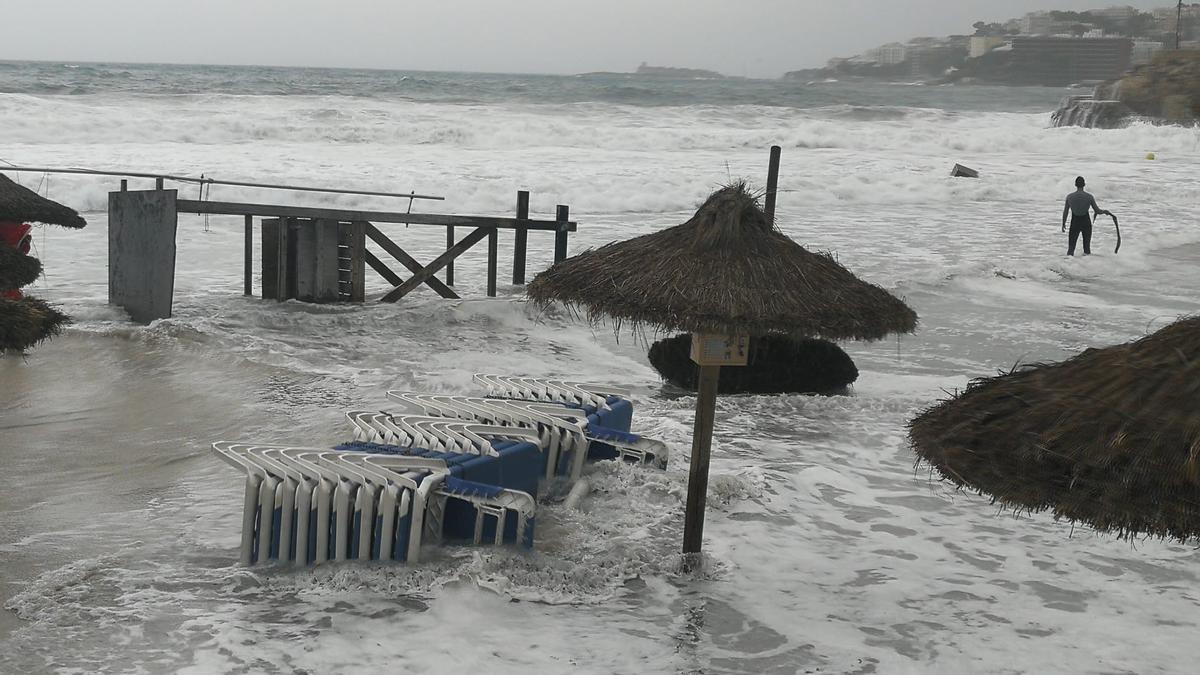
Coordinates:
[1164,91]
[778,364]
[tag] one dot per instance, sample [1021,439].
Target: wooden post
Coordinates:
[772,183]
[449,245]
[522,238]
[706,406]
[158,183]
[247,272]
[493,243]
[124,185]
[358,268]
[562,214]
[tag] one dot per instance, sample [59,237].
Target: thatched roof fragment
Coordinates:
[727,270]
[17,269]
[1110,437]
[20,204]
[28,321]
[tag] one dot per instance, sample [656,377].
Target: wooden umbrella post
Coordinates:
[710,352]
[706,410]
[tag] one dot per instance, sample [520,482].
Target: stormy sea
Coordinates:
[829,548]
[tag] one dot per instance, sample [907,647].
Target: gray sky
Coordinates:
[759,38]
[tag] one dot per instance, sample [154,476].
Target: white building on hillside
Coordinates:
[1036,23]
[982,44]
[1144,51]
[889,54]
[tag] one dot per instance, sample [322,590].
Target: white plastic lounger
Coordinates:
[357,498]
[564,429]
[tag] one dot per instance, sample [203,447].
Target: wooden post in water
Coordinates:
[493,243]
[772,183]
[562,214]
[449,245]
[248,274]
[697,497]
[521,238]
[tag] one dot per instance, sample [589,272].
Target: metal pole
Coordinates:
[772,183]
[188,179]
[706,406]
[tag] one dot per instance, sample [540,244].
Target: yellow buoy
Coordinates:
[1149,155]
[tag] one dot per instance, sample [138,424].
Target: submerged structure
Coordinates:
[438,469]
[1110,438]
[777,364]
[24,320]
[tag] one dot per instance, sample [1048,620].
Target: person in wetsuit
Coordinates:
[1078,203]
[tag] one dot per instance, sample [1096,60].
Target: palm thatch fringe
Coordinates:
[778,364]
[20,204]
[26,322]
[17,269]
[726,270]
[1110,437]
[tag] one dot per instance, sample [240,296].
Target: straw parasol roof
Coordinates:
[1110,437]
[28,321]
[17,269]
[20,204]
[728,271]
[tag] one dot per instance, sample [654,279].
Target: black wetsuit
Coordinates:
[1079,202]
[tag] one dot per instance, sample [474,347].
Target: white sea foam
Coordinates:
[827,550]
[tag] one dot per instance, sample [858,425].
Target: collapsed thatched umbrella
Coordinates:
[26,321]
[20,204]
[1110,437]
[725,272]
[17,269]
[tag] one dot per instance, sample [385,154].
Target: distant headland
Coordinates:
[1048,48]
[664,71]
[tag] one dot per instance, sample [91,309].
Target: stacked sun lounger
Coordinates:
[442,468]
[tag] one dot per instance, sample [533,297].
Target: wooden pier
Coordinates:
[311,254]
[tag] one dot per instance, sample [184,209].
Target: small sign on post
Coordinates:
[720,350]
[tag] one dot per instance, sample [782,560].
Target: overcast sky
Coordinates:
[759,38]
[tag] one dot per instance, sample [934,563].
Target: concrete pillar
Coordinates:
[141,252]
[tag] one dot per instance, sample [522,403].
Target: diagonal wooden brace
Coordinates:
[408,261]
[425,274]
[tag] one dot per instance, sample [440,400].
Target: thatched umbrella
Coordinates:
[1110,437]
[726,272]
[20,204]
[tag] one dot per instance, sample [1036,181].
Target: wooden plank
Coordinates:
[407,260]
[248,271]
[280,211]
[358,271]
[521,239]
[697,496]
[772,183]
[493,245]
[316,261]
[437,264]
[381,267]
[563,214]
[271,228]
[449,265]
